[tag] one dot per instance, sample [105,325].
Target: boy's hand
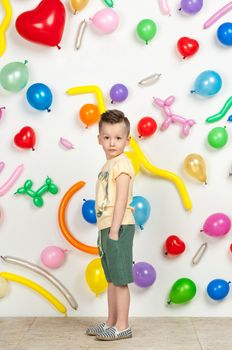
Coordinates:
[113,235]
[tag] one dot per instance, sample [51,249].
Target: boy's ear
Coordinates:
[128,140]
[98,137]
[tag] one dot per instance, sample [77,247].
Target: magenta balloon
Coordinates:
[217,225]
[144,274]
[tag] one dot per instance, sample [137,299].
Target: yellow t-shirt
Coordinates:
[106,191]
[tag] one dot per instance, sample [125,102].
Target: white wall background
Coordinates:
[104,60]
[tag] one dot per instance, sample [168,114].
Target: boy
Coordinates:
[115,222]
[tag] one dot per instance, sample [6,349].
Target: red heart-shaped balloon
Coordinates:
[174,245]
[44,24]
[187,46]
[25,138]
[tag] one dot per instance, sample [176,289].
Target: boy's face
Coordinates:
[113,138]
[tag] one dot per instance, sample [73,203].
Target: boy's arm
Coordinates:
[122,189]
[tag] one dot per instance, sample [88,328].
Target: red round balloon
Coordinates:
[187,46]
[25,138]
[231,247]
[44,24]
[174,245]
[146,126]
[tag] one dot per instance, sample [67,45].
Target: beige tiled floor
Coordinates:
[148,334]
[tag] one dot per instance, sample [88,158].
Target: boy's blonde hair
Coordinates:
[114,116]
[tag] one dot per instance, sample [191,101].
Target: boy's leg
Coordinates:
[123,304]
[112,304]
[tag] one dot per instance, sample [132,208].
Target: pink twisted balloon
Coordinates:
[171,117]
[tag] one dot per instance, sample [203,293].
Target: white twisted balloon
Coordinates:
[35,268]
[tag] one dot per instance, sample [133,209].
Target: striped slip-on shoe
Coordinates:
[99,328]
[113,334]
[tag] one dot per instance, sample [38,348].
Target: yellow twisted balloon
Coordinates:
[4,25]
[162,173]
[36,287]
[90,89]
[140,157]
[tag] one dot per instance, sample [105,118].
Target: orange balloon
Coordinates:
[62,220]
[89,114]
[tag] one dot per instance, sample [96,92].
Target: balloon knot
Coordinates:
[33,149]
[192,91]
[201,230]
[58,47]
[48,109]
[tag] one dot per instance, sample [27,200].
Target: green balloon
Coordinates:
[217,137]
[182,291]
[38,201]
[109,3]
[146,29]
[14,76]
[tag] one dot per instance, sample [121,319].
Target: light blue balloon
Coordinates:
[142,210]
[207,83]
[39,96]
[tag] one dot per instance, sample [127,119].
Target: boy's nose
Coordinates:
[112,142]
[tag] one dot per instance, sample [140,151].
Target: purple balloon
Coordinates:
[217,225]
[118,93]
[191,6]
[144,274]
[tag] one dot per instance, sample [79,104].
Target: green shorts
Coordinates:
[116,256]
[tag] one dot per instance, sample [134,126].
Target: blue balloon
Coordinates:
[207,83]
[224,33]
[142,210]
[218,289]
[88,211]
[39,96]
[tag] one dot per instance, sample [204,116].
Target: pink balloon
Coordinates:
[105,20]
[11,180]
[52,256]
[217,225]
[170,117]
[164,7]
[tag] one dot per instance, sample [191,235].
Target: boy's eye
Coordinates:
[106,137]
[119,138]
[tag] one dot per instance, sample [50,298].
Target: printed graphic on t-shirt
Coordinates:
[104,178]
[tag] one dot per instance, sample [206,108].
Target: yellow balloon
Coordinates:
[194,165]
[134,161]
[28,283]
[4,287]
[95,276]
[78,5]
[4,25]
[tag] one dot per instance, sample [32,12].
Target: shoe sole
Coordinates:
[111,339]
